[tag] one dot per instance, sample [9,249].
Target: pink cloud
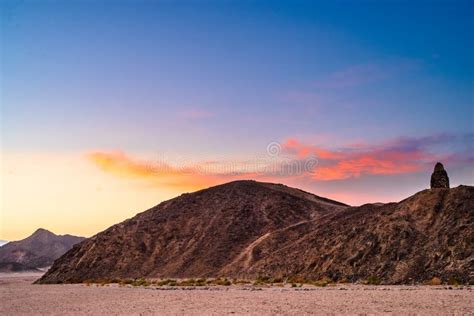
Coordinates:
[182,176]
[295,147]
[396,156]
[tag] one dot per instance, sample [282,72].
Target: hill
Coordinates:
[36,251]
[247,229]
[430,234]
[198,234]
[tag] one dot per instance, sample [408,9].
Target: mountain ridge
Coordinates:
[248,229]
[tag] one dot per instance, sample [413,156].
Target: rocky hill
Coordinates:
[430,234]
[247,229]
[198,234]
[36,251]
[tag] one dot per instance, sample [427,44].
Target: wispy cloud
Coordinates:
[189,175]
[157,172]
[183,174]
[396,156]
[361,74]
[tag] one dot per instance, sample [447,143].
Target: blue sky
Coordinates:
[214,80]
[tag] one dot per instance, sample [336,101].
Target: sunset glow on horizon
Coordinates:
[111,107]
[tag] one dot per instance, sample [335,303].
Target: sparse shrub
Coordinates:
[238,281]
[277,280]
[372,280]
[141,282]
[453,281]
[257,283]
[101,282]
[296,279]
[188,282]
[200,282]
[126,282]
[434,281]
[264,279]
[88,282]
[323,282]
[166,282]
[224,282]
[344,280]
[173,283]
[267,280]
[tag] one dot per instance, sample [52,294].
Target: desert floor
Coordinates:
[18,296]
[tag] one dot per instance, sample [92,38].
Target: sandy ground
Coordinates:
[19,297]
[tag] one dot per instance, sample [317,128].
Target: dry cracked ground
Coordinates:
[18,296]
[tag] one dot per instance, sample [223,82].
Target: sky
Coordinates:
[110,107]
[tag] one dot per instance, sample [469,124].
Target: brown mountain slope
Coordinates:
[36,251]
[248,229]
[198,234]
[430,234]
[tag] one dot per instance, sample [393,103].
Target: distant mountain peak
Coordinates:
[39,250]
[42,231]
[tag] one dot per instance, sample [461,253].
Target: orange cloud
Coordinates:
[118,163]
[183,177]
[159,173]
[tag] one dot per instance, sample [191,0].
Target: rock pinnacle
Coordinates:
[439,178]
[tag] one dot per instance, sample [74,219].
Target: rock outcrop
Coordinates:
[247,229]
[439,178]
